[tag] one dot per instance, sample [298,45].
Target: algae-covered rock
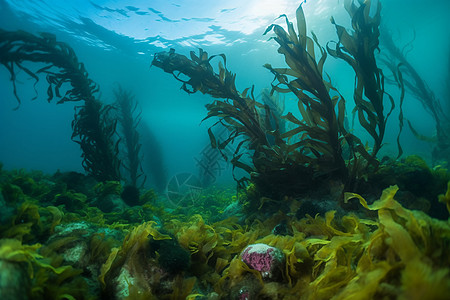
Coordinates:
[266,259]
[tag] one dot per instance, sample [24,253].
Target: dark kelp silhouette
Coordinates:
[153,158]
[129,118]
[314,148]
[419,89]
[93,130]
[358,50]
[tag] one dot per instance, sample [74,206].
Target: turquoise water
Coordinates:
[116,42]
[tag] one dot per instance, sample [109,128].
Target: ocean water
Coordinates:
[116,42]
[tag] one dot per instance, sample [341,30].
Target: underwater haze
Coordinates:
[224,150]
[116,42]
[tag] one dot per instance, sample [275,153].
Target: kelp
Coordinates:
[250,125]
[321,106]
[358,50]
[247,120]
[314,146]
[129,119]
[92,128]
[321,129]
[18,47]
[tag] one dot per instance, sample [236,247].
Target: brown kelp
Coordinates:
[321,129]
[240,113]
[129,119]
[92,128]
[358,50]
[314,146]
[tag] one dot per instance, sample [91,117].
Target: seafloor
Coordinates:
[66,236]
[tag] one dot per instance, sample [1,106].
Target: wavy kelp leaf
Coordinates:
[357,49]
[107,265]
[63,65]
[137,240]
[319,125]
[12,250]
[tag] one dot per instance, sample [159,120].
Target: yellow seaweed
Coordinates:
[445,198]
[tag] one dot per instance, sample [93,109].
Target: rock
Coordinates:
[264,258]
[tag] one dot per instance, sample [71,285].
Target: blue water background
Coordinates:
[116,41]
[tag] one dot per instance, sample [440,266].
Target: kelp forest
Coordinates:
[318,212]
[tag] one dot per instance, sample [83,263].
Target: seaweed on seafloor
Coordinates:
[445,198]
[93,130]
[47,279]
[129,119]
[419,89]
[400,254]
[131,271]
[31,222]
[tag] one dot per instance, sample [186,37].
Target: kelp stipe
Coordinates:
[94,130]
[129,119]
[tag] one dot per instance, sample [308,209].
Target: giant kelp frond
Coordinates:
[61,64]
[200,72]
[129,119]
[358,50]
